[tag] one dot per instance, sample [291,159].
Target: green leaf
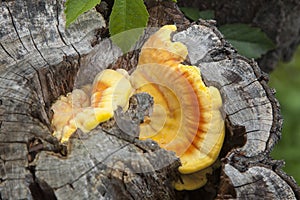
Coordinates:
[194,14]
[127,20]
[249,41]
[191,13]
[74,8]
[207,14]
[126,39]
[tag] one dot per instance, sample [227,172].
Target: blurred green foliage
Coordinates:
[286,80]
[249,41]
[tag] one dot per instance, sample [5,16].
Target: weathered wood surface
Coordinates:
[40,60]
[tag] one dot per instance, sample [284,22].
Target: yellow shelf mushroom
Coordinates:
[186,115]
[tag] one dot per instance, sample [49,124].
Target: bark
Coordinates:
[279,19]
[40,60]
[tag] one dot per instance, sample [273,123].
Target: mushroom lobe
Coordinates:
[79,110]
[160,49]
[185,117]
[193,181]
[186,114]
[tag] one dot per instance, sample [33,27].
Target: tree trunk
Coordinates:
[41,60]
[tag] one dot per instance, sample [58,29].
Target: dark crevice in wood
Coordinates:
[35,46]
[7,52]
[71,186]
[60,34]
[128,61]
[40,189]
[21,76]
[39,81]
[34,146]
[79,56]
[253,131]
[15,28]
[249,107]
[249,84]
[235,137]
[258,140]
[57,24]
[259,179]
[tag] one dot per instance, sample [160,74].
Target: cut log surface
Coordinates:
[41,60]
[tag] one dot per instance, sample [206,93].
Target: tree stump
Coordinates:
[41,60]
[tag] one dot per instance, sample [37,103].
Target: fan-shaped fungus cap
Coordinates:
[206,146]
[110,89]
[186,115]
[160,49]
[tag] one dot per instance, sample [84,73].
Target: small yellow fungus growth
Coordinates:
[193,181]
[65,109]
[80,110]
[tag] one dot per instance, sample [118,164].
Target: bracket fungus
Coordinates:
[186,116]
[87,107]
